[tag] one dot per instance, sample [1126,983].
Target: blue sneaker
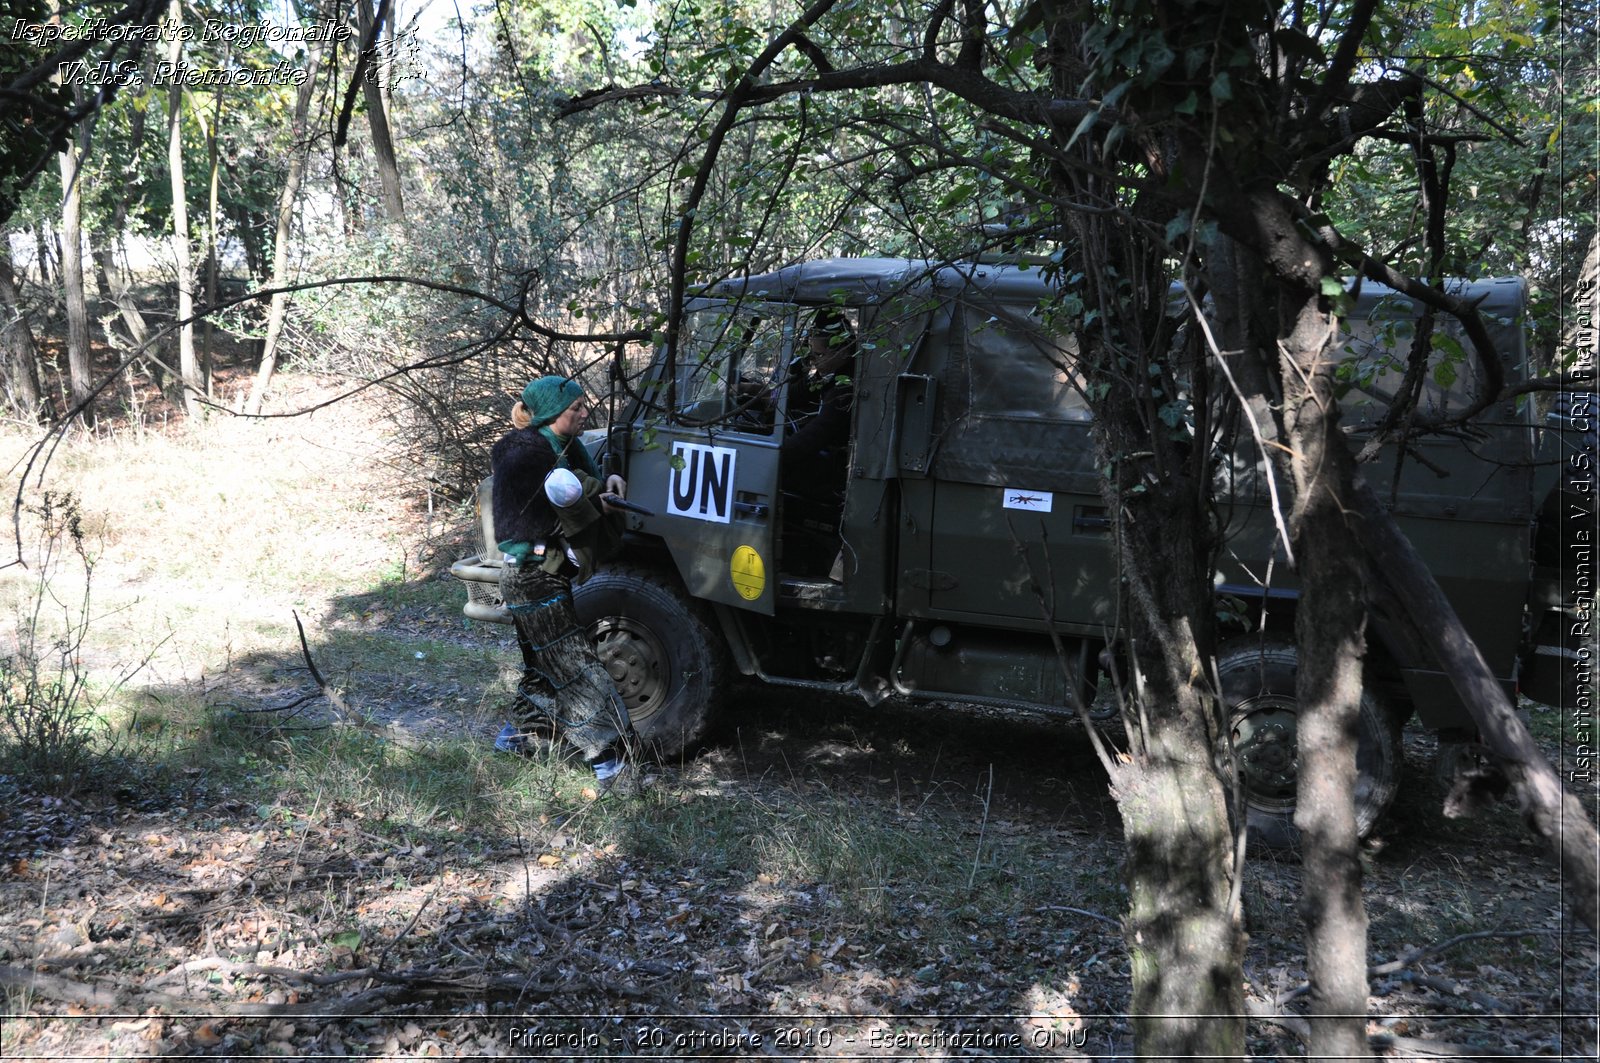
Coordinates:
[621,779]
[511,740]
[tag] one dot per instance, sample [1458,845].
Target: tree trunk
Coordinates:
[385,75]
[78,368]
[21,354]
[105,252]
[43,251]
[280,241]
[1330,626]
[102,280]
[132,319]
[244,223]
[378,119]
[188,365]
[208,331]
[1183,928]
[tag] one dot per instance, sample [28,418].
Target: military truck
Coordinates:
[971,479]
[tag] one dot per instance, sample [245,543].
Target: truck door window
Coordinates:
[1376,352]
[1016,412]
[729,356]
[1017,369]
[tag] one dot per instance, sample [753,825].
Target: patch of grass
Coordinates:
[383,651]
[451,784]
[213,531]
[1544,722]
[403,592]
[868,855]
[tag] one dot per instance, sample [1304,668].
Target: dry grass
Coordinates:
[208,537]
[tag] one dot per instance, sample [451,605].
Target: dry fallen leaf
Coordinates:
[549,860]
[206,1035]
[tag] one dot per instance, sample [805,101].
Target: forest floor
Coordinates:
[823,880]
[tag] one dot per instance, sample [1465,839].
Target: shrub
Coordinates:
[50,725]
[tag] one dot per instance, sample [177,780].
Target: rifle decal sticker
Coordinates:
[1034,501]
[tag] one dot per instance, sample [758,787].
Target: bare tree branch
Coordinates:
[608,94]
[1344,59]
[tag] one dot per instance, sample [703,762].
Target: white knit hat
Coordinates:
[562,488]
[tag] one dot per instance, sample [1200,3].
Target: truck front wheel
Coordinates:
[1258,686]
[662,655]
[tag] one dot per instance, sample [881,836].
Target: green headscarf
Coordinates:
[547,398]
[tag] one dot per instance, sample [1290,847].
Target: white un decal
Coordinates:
[702,482]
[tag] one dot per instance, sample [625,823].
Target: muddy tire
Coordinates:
[665,658]
[1258,685]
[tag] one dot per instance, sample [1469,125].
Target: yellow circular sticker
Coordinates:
[749,573]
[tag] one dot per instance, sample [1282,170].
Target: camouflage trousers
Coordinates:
[563,682]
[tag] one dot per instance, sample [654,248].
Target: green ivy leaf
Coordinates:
[1110,99]
[1083,127]
[1158,55]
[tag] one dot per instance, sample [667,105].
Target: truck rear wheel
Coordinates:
[1258,686]
[663,656]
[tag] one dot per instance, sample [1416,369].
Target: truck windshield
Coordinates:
[729,363]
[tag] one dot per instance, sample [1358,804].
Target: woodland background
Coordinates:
[449,202]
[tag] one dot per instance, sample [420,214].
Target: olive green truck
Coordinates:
[972,479]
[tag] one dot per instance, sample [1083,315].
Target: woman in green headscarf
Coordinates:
[548,514]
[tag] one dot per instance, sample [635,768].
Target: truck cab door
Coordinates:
[1010,497]
[707,466]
